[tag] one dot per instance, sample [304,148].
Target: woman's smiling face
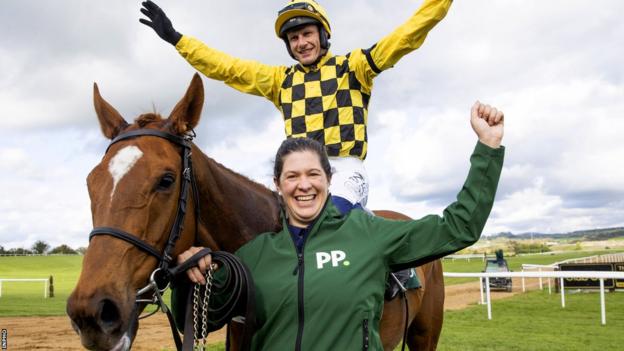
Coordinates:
[304,187]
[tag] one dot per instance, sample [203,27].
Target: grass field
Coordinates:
[26,299]
[514,262]
[536,321]
[532,321]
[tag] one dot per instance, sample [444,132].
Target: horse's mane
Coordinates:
[148,118]
[154,119]
[252,183]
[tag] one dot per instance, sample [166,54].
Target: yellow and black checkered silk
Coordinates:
[327,104]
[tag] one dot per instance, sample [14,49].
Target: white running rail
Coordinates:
[601,275]
[45,285]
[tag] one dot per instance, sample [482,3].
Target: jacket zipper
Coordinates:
[365,334]
[300,300]
[300,269]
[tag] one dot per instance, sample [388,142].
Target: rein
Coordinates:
[239,283]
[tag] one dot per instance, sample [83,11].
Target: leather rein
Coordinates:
[163,275]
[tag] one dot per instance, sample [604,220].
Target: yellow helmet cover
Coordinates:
[301,8]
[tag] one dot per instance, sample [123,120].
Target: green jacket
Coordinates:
[331,297]
[327,102]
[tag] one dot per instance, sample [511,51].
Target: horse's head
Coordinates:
[135,189]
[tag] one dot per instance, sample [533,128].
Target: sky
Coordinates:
[554,67]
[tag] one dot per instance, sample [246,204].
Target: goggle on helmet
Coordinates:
[301,12]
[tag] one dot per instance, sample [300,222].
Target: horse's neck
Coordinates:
[233,209]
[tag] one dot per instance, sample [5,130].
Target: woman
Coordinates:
[320,281]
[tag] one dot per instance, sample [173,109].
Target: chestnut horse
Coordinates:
[136,189]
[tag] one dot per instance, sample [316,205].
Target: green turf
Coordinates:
[533,321]
[515,263]
[536,321]
[219,346]
[26,299]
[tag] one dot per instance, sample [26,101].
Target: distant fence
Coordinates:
[33,254]
[608,262]
[543,253]
[465,257]
[608,258]
[48,285]
[539,268]
[561,275]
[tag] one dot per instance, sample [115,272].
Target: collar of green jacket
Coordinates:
[329,211]
[315,66]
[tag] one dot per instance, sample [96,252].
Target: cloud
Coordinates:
[535,210]
[553,67]
[44,192]
[252,153]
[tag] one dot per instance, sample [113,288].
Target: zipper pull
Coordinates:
[299,263]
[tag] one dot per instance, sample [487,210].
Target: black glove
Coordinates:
[159,22]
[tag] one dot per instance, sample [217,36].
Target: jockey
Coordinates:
[324,96]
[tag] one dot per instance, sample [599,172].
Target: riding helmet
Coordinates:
[300,12]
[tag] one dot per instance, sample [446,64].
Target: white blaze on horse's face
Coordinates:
[122,163]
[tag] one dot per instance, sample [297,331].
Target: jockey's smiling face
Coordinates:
[305,43]
[304,187]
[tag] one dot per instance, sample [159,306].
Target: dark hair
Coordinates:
[291,145]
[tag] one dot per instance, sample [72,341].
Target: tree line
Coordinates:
[40,247]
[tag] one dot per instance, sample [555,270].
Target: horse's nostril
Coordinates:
[109,315]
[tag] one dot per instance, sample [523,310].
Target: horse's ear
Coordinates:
[186,113]
[111,121]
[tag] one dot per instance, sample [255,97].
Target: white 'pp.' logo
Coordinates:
[335,256]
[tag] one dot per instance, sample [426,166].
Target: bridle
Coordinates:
[163,274]
[239,284]
[188,180]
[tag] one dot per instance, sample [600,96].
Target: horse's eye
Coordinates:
[166,181]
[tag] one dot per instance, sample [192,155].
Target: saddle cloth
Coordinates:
[408,279]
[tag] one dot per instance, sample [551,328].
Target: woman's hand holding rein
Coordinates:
[196,274]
